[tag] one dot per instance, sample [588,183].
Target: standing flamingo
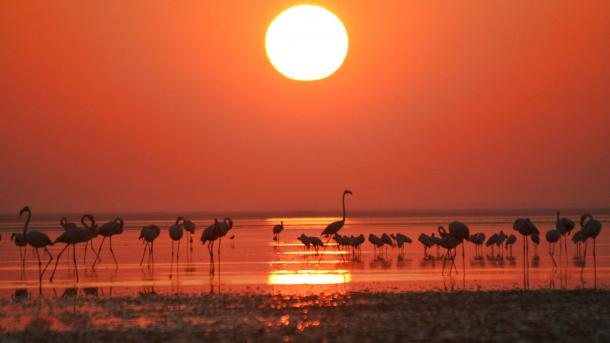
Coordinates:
[109,229]
[377,243]
[176,232]
[591,228]
[564,226]
[427,242]
[510,241]
[190,227]
[210,235]
[148,234]
[276,231]
[36,240]
[491,242]
[526,228]
[72,236]
[334,227]
[552,237]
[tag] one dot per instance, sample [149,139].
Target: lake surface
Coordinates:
[252,262]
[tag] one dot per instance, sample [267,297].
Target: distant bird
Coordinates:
[461,232]
[92,229]
[67,225]
[450,243]
[387,240]
[107,230]
[316,243]
[500,241]
[334,227]
[71,236]
[478,239]
[376,241]
[552,237]
[148,234]
[176,232]
[356,242]
[527,229]
[36,240]
[189,227]
[510,241]
[564,226]
[276,231]
[427,242]
[591,228]
[401,240]
[579,238]
[305,240]
[491,242]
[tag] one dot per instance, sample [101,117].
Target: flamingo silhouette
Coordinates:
[276,231]
[552,237]
[427,242]
[526,228]
[92,228]
[591,228]
[564,226]
[377,243]
[176,232]
[107,230]
[36,240]
[190,227]
[148,234]
[72,236]
[334,227]
[401,240]
[210,235]
[510,241]
[491,243]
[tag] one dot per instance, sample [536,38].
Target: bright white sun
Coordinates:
[306,43]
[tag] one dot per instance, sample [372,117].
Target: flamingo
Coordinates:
[36,240]
[564,226]
[148,234]
[579,238]
[376,241]
[526,228]
[334,227]
[459,231]
[401,240]
[72,236]
[510,241]
[450,243]
[477,239]
[276,231]
[305,240]
[176,232]
[552,237]
[356,242]
[427,242]
[92,228]
[67,225]
[210,235]
[387,240]
[499,243]
[190,227]
[316,243]
[591,228]
[491,242]
[108,229]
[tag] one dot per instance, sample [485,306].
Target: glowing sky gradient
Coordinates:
[145,106]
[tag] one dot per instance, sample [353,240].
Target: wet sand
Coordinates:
[551,316]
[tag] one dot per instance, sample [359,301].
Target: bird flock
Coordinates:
[74,235]
[446,241]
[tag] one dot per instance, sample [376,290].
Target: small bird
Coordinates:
[276,231]
[376,241]
[491,242]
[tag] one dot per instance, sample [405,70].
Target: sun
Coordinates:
[306,43]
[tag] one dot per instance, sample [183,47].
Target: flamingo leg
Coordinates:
[74,259]
[594,266]
[178,258]
[39,270]
[97,255]
[57,262]
[171,264]
[144,253]
[113,257]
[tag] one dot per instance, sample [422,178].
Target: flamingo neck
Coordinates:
[343,207]
[27,223]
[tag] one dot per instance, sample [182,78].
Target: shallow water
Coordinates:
[253,263]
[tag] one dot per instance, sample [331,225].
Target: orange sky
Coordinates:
[158,105]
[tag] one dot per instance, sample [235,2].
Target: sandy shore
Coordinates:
[432,316]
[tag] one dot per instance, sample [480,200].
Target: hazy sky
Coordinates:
[161,105]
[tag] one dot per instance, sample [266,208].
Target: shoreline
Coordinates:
[537,315]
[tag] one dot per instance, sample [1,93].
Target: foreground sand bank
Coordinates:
[430,316]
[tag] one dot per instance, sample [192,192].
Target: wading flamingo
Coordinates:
[72,236]
[148,234]
[36,240]
[176,232]
[276,231]
[334,227]
[107,230]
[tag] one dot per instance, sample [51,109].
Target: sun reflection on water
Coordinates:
[309,277]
